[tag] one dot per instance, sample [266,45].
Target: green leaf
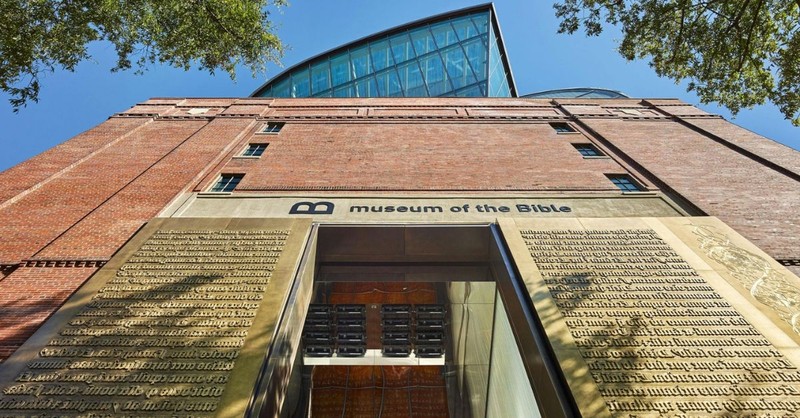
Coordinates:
[738,53]
[40,36]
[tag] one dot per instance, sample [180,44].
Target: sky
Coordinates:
[541,59]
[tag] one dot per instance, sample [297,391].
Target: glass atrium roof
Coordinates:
[577,93]
[456,54]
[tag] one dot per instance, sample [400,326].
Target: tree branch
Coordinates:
[218,22]
[735,22]
[679,40]
[746,53]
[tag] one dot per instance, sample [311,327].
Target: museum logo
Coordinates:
[312,208]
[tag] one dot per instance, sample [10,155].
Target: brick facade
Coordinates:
[392,156]
[30,295]
[83,199]
[759,202]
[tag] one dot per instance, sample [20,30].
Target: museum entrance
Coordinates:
[406,321]
[398,349]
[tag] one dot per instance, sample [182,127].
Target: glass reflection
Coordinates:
[340,69]
[320,77]
[423,41]
[381,56]
[455,57]
[300,84]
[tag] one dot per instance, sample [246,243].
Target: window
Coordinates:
[273,127]
[588,150]
[562,127]
[625,183]
[227,182]
[254,150]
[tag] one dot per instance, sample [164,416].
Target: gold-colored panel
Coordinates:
[176,324]
[653,316]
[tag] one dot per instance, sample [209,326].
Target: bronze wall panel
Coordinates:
[177,323]
[662,316]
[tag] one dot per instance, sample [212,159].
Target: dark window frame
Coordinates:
[254,150]
[226,183]
[625,183]
[563,128]
[588,150]
[272,128]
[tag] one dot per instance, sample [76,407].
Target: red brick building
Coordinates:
[337,246]
[66,212]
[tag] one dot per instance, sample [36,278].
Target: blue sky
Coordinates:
[541,59]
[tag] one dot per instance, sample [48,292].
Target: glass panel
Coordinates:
[344,91]
[444,34]
[452,71]
[340,69]
[435,77]
[465,29]
[281,89]
[471,310]
[624,183]
[273,127]
[503,90]
[510,393]
[300,84]
[401,48]
[494,61]
[477,56]
[381,55]
[411,80]
[320,77]
[255,150]
[481,22]
[366,88]
[457,67]
[423,41]
[498,81]
[389,84]
[227,183]
[587,150]
[473,91]
[494,54]
[360,61]
[561,127]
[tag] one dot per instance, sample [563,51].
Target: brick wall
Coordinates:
[42,215]
[757,201]
[421,156]
[37,169]
[85,198]
[775,152]
[99,234]
[29,296]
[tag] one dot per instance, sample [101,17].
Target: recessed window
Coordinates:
[254,150]
[588,150]
[227,182]
[625,183]
[562,127]
[273,127]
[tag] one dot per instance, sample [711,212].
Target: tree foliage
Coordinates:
[738,53]
[40,36]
